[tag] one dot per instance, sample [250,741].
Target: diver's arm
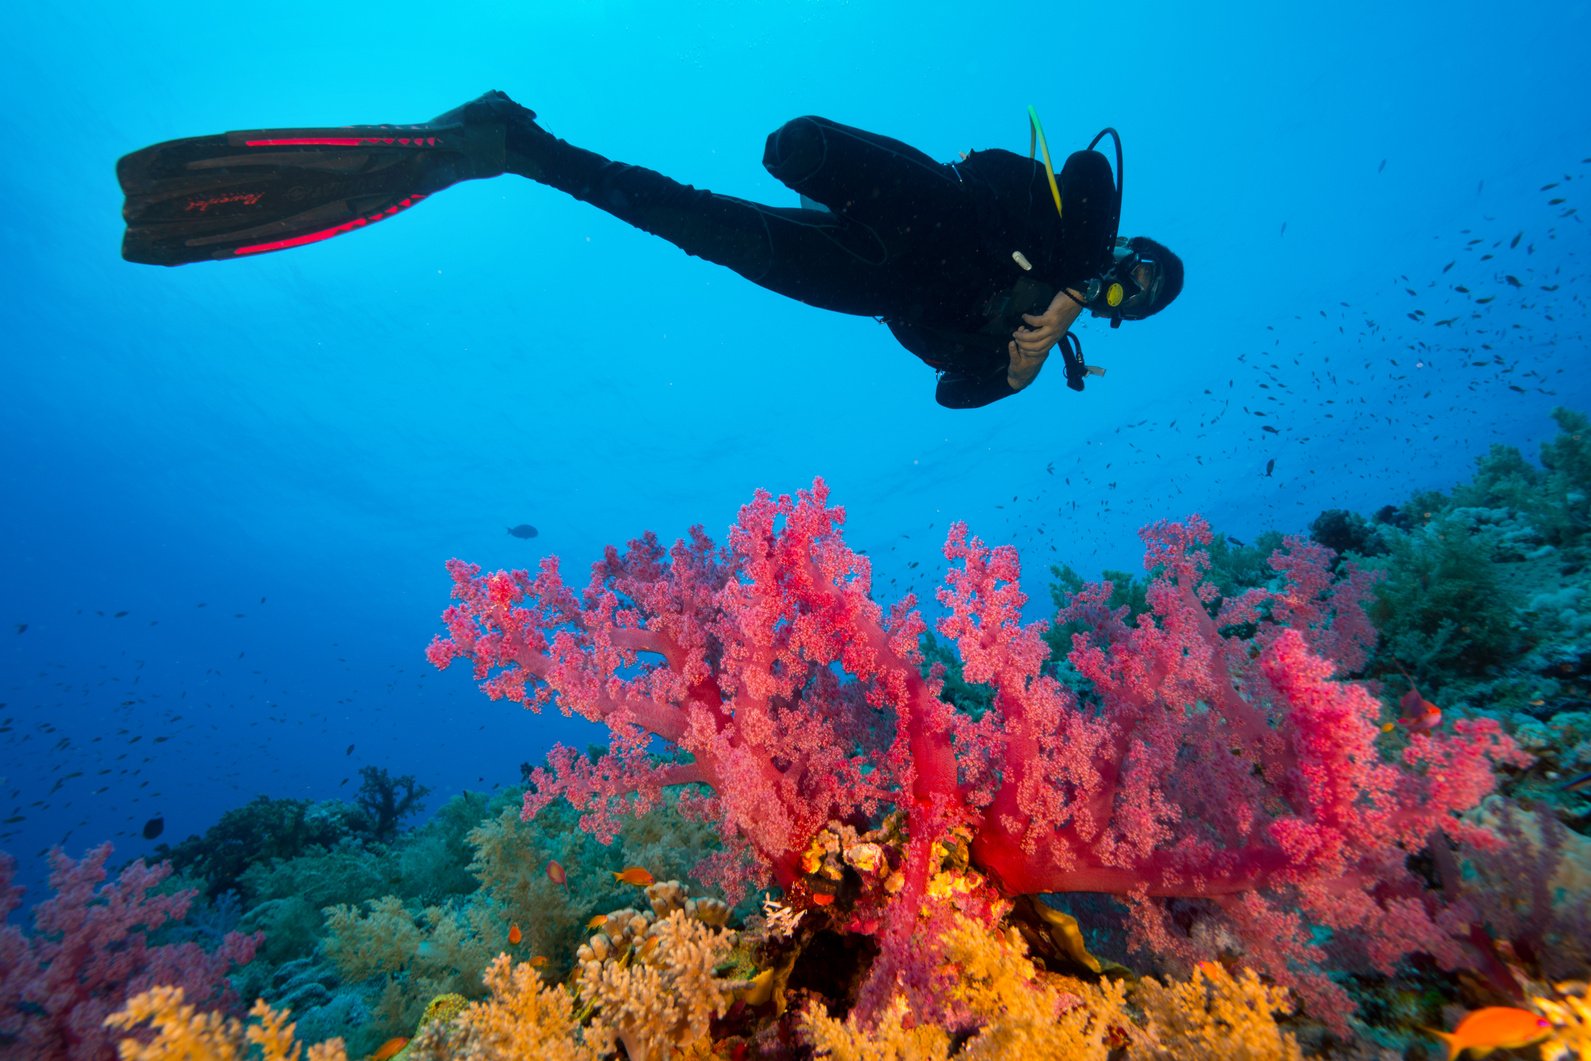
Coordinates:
[969,390]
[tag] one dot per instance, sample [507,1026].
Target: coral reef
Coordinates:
[1240,772]
[1189,818]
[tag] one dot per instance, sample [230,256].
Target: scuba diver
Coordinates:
[978,267]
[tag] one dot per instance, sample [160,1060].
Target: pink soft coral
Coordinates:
[1240,772]
[90,952]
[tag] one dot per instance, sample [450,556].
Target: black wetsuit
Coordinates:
[924,246]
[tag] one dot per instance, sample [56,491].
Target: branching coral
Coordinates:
[645,980]
[414,956]
[521,1018]
[1569,1010]
[93,947]
[1008,1008]
[648,980]
[184,1033]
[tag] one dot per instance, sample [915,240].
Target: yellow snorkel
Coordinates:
[1037,142]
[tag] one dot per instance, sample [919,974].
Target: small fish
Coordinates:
[1270,466]
[349,750]
[390,1049]
[538,961]
[636,875]
[515,936]
[22,628]
[597,922]
[1578,784]
[822,899]
[1494,1028]
[1419,714]
[154,827]
[523,530]
[555,872]
[1382,166]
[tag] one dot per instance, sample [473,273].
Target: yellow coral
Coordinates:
[182,1033]
[891,1040]
[1570,1015]
[1213,1014]
[1023,1013]
[656,993]
[1032,1015]
[521,1018]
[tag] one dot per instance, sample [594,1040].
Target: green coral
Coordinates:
[412,955]
[1443,608]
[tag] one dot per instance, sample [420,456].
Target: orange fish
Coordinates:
[822,898]
[598,921]
[1419,714]
[636,875]
[514,934]
[555,872]
[389,1049]
[538,961]
[1494,1028]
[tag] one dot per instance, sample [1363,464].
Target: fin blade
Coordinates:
[229,195]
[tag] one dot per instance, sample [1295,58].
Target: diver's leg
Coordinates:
[870,178]
[814,256]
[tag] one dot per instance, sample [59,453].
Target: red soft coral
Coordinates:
[90,952]
[1238,772]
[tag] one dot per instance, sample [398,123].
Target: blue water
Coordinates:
[265,464]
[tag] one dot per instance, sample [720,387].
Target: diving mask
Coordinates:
[1128,288]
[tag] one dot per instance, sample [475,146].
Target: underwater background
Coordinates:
[230,490]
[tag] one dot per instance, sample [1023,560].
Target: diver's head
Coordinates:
[1146,276]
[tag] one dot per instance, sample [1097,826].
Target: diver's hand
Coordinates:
[1031,343]
[1044,330]
[1024,367]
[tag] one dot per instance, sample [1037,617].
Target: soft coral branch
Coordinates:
[90,951]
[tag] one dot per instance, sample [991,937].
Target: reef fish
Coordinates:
[1419,714]
[523,530]
[636,875]
[389,1049]
[1494,1028]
